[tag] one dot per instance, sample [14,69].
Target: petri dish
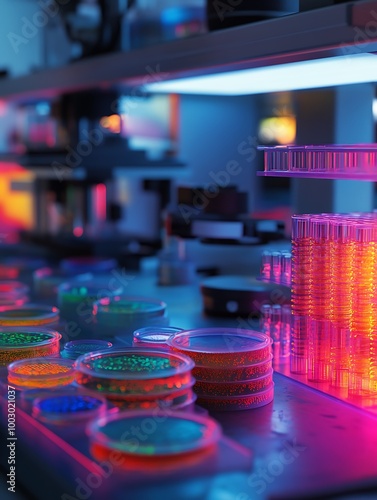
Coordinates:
[247,372]
[41,373]
[222,347]
[173,400]
[174,434]
[134,371]
[13,293]
[76,348]
[239,388]
[88,264]
[154,336]
[235,403]
[47,279]
[121,315]
[15,267]
[68,408]
[29,315]
[76,298]
[19,343]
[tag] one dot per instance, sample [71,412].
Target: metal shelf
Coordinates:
[324,32]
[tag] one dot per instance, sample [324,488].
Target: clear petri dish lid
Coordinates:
[88,264]
[28,315]
[128,308]
[154,335]
[76,348]
[68,407]
[177,433]
[40,372]
[75,290]
[26,338]
[133,364]
[223,347]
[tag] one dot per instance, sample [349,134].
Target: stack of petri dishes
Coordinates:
[121,315]
[33,315]
[138,379]
[233,367]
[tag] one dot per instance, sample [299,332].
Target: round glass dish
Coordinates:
[154,336]
[234,403]
[134,371]
[40,373]
[68,408]
[76,348]
[247,372]
[29,315]
[13,293]
[183,399]
[222,347]
[175,435]
[228,389]
[122,315]
[20,343]
[76,298]
[47,279]
[88,265]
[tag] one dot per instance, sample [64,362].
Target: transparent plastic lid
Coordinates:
[154,334]
[28,315]
[121,306]
[176,433]
[76,348]
[222,346]
[133,364]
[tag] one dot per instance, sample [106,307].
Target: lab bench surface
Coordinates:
[302,445]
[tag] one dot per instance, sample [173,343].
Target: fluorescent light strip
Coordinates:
[339,70]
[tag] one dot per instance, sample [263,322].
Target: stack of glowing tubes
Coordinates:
[138,379]
[334,300]
[233,367]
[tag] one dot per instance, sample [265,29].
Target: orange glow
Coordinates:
[279,129]
[112,123]
[16,206]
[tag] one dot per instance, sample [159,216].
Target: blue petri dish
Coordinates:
[75,348]
[68,408]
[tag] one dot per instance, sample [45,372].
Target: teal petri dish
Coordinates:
[176,434]
[121,315]
[76,298]
[47,279]
[76,348]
